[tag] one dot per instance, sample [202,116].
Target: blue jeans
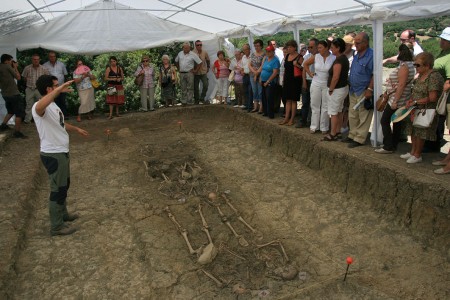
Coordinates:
[256,88]
[306,104]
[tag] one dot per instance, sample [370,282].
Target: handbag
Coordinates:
[441,107]
[111,90]
[383,100]
[95,83]
[424,117]
[139,80]
[231,76]
[297,70]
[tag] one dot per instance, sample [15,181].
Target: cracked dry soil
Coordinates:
[128,248]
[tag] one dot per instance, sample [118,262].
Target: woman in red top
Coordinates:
[221,70]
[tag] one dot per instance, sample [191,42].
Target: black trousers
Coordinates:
[391,137]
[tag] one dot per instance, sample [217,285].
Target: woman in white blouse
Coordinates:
[322,61]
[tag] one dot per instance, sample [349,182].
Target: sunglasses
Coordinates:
[417,65]
[199,45]
[145,60]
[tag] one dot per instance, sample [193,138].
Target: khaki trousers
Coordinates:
[359,120]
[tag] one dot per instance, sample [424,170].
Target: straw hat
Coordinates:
[348,39]
[401,113]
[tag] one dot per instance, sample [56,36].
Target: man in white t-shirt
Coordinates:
[57,69]
[407,36]
[54,148]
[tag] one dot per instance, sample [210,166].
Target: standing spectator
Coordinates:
[54,151]
[349,53]
[188,64]
[426,90]
[306,86]
[246,79]
[202,73]
[13,100]
[30,74]
[82,77]
[361,86]
[114,77]
[221,70]
[442,65]
[167,79]
[407,36]
[255,63]
[269,77]
[398,86]
[292,82]
[278,52]
[337,87]
[322,61]
[57,69]
[238,67]
[147,89]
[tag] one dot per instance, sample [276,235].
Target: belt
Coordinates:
[184,72]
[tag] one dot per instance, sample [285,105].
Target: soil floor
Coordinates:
[125,183]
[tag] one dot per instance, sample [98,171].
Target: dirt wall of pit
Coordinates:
[421,204]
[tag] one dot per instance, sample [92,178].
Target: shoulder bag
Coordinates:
[384,98]
[297,70]
[441,107]
[139,80]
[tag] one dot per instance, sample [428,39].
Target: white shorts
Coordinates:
[336,100]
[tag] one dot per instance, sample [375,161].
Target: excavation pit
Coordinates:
[319,202]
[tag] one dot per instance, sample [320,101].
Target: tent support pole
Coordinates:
[377,27]
[37,10]
[30,11]
[297,35]
[250,41]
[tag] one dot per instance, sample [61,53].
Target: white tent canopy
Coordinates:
[105,26]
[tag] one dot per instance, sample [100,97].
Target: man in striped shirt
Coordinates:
[30,74]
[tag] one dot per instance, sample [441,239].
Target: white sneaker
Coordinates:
[242,106]
[382,151]
[413,160]
[236,106]
[406,155]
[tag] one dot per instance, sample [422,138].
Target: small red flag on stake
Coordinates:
[349,262]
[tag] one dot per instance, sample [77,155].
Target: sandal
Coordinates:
[282,123]
[110,117]
[330,138]
[290,124]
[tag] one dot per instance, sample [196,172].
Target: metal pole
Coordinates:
[30,11]
[377,27]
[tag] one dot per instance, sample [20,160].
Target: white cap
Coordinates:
[445,34]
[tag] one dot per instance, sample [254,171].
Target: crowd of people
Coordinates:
[333,80]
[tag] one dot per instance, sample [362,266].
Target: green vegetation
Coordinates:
[427,30]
